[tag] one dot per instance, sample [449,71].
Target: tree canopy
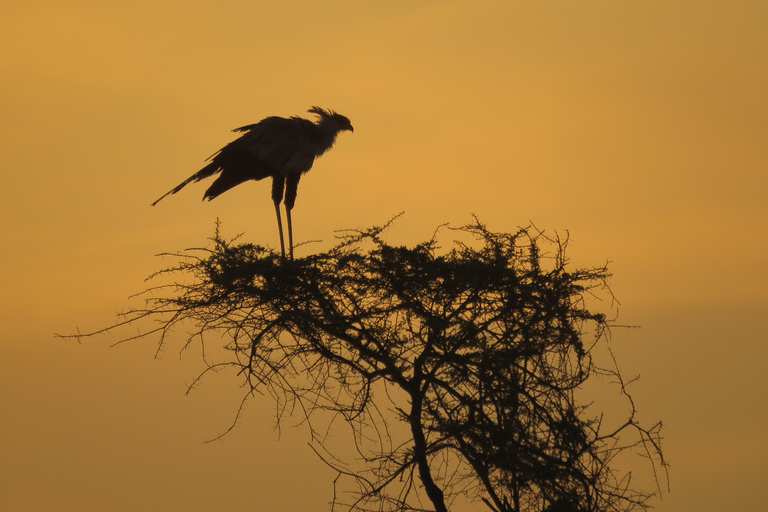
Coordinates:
[457,369]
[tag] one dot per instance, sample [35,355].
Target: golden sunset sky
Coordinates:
[639,127]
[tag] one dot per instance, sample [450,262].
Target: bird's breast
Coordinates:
[299,163]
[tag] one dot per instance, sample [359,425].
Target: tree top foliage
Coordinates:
[457,370]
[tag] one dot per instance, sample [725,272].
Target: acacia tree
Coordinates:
[456,370]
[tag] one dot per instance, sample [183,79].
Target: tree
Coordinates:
[457,371]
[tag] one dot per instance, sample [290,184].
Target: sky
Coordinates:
[637,127]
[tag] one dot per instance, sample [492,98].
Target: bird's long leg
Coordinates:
[291,188]
[290,231]
[278,185]
[280,227]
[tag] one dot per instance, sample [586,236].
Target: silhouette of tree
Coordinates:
[457,370]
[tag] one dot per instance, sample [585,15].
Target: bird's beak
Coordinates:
[351,129]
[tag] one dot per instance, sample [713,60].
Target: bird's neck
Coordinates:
[325,140]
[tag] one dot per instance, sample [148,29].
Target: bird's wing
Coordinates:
[286,145]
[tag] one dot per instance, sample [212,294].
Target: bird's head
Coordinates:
[331,118]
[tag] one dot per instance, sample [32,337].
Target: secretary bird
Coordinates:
[275,147]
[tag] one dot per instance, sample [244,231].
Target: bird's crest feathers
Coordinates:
[323,113]
[331,118]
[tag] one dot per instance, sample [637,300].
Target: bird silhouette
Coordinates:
[276,147]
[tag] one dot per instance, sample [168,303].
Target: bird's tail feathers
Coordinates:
[224,182]
[206,172]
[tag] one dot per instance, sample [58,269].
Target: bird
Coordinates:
[277,147]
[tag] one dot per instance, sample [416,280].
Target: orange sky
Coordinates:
[638,126]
